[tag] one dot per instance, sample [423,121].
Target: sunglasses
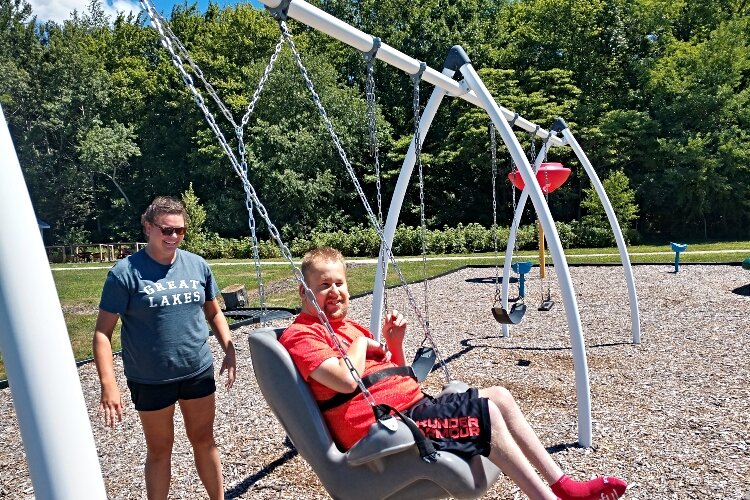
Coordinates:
[167,231]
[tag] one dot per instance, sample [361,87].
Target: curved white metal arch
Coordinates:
[534,190]
[42,374]
[616,230]
[635,318]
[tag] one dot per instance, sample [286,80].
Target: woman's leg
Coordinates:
[522,433]
[158,427]
[507,455]
[199,426]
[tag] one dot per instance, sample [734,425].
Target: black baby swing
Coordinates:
[385,463]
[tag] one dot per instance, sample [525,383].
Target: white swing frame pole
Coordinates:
[397,200]
[312,16]
[512,235]
[567,292]
[635,319]
[47,395]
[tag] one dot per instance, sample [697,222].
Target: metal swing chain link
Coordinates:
[532,156]
[493,163]
[170,40]
[239,132]
[256,257]
[357,186]
[374,150]
[416,79]
[262,82]
[250,192]
[546,199]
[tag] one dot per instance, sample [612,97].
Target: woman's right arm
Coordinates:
[111,401]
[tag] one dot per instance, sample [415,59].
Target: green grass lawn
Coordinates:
[79,285]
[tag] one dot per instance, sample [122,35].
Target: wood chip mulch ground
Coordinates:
[671,415]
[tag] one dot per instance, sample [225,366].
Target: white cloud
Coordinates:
[60,10]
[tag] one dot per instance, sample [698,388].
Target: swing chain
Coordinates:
[493,163]
[357,186]
[239,132]
[262,82]
[251,193]
[374,150]
[170,41]
[546,199]
[416,79]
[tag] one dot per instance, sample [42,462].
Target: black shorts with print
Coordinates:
[457,422]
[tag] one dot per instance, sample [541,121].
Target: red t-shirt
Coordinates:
[309,344]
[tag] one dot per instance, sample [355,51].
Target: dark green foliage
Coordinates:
[658,91]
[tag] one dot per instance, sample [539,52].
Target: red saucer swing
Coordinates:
[550,176]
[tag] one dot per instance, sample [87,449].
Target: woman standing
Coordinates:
[164,297]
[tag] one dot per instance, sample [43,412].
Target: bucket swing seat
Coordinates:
[383,464]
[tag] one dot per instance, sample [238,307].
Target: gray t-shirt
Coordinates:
[164,331]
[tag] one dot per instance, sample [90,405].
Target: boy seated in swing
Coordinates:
[490,421]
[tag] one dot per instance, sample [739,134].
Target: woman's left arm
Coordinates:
[219,325]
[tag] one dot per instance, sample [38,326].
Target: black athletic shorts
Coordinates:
[152,397]
[458,422]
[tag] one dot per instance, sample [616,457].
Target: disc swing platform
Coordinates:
[235,299]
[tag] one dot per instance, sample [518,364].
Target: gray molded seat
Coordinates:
[382,465]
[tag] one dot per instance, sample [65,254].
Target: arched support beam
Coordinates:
[561,266]
[42,374]
[570,139]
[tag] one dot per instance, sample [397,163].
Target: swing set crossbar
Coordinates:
[315,18]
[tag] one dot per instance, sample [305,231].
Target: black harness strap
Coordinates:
[368,381]
[424,445]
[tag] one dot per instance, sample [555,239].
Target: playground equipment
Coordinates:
[51,410]
[678,248]
[521,268]
[746,264]
[470,88]
[501,314]
[52,413]
[400,474]
[550,176]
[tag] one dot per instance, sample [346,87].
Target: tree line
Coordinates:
[655,91]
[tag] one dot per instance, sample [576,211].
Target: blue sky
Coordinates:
[60,10]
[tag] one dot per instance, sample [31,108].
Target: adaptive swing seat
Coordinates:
[384,464]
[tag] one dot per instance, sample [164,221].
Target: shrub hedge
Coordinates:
[362,241]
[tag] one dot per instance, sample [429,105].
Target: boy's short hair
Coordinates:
[321,254]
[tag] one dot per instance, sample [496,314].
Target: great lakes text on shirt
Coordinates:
[171,299]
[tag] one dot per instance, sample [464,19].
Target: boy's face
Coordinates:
[327,280]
